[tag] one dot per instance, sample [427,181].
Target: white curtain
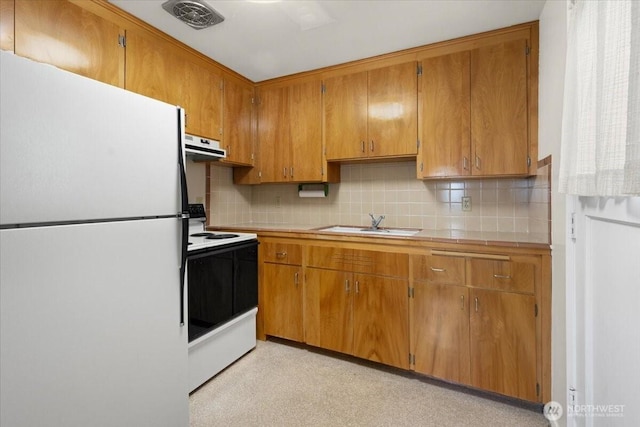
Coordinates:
[600,153]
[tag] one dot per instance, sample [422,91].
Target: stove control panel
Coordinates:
[196,211]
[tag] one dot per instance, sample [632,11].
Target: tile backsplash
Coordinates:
[390,189]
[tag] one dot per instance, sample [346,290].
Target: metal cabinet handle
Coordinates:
[477,162]
[357,287]
[295,279]
[291,172]
[346,286]
[371,146]
[362,146]
[284,172]
[438,270]
[462,302]
[501,276]
[465,163]
[281,254]
[476,298]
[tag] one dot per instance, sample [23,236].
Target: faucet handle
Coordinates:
[375,222]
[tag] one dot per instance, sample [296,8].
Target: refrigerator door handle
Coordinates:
[183,215]
[183,265]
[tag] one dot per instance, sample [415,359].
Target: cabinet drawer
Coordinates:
[329,257]
[381,263]
[359,261]
[503,275]
[439,269]
[281,253]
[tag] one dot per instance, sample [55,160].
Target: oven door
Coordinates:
[222,284]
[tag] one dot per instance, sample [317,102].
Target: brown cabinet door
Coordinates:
[503,343]
[345,115]
[441,331]
[305,123]
[7,25]
[446,137]
[282,289]
[237,123]
[153,68]
[273,134]
[499,124]
[392,111]
[381,320]
[328,309]
[65,35]
[202,100]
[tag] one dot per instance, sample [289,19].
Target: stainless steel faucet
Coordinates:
[375,222]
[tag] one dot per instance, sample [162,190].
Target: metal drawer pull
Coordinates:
[438,270]
[295,278]
[357,287]
[476,304]
[372,146]
[363,146]
[281,254]
[462,302]
[500,276]
[465,163]
[291,174]
[346,286]
[477,162]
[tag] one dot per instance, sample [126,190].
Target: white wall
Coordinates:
[553,37]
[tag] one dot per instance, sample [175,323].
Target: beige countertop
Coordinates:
[539,240]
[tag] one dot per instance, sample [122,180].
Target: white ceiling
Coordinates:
[266,39]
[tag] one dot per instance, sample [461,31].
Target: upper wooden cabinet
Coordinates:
[236,123]
[372,113]
[499,124]
[7,27]
[159,70]
[201,98]
[290,134]
[475,112]
[153,67]
[445,138]
[65,35]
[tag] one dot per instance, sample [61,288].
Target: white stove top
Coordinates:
[218,238]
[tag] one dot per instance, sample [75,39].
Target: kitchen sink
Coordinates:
[367,230]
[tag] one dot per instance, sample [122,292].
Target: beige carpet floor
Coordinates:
[278,384]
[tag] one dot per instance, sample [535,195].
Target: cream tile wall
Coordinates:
[390,189]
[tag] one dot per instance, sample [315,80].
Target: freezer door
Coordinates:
[75,149]
[89,321]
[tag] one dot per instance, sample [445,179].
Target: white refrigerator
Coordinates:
[91,253]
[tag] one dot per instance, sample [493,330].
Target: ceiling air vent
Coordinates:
[194,13]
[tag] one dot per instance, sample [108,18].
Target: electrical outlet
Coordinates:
[466,203]
[277,201]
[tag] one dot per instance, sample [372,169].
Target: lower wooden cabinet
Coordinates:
[359,314]
[283,301]
[503,343]
[477,319]
[441,331]
[281,289]
[475,322]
